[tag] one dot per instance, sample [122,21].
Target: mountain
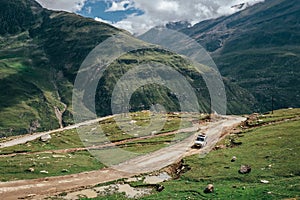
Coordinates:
[178,25]
[259,49]
[41,52]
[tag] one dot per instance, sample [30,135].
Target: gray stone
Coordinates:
[45,138]
[245,169]
[209,188]
[233,159]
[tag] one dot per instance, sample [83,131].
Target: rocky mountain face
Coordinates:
[178,25]
[258,48]
[41,52]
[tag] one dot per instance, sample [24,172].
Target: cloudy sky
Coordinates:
[138,16]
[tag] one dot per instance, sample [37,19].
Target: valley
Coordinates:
[89,110]
[147,162]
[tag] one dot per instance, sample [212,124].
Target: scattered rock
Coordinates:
[133,179]
[132,192]
[157,179]
[233,159]
[44,172]
[129,180]
[107,190]
[160,188]
[58,156]
[132,122]
[31,195]
[31,169]
[209,188]
[88,193]
[45,138]
[153,132]
[64,170]
[245,169]
[219,147]
[264,181]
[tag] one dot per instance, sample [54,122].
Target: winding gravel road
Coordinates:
[30,137]
[39,188]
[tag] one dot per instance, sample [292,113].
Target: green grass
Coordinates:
[37,72]
[277,115]
[277,146]
[15,168]
[27,91]
[111,132]
[273,153]
[62,140]
[260,74]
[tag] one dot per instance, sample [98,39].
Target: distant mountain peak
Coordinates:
[178,25]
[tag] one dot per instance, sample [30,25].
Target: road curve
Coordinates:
[39,188]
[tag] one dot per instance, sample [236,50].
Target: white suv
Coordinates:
[200,141]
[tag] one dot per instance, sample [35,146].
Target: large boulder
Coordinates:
[209,188]
[233,159]
[245,169]
[45,138]
[160,188]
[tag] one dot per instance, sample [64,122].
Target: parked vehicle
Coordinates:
[200,141]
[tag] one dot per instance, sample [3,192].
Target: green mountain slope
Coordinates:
[258,48]
[40,54]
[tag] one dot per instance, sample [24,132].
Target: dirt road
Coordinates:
[112,144]
[30,137]
[39,188]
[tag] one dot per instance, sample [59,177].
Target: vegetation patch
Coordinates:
[46,164]
[272,151]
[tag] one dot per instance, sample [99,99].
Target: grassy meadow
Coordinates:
[272,151]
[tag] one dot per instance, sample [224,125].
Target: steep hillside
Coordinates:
[36,49]
[258,48]
[40,54]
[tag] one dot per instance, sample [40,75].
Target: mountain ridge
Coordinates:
[39,62]
[258,49]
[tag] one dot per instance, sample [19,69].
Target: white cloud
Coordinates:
[156,12]
[102,20]
[119,6]
[159,12]
[65,5]
[168,6]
